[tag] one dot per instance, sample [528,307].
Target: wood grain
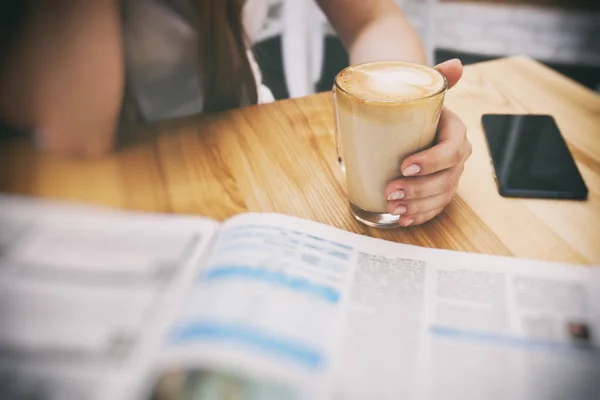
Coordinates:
[281,158]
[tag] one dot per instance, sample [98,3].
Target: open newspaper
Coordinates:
[100,304]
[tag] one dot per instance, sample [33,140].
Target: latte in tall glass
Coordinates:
[385,111]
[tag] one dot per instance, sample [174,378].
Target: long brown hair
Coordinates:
[225,73]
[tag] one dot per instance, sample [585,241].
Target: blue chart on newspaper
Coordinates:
[269,294]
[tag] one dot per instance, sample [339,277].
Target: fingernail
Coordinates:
[397,195]
[399,210]
[408,223]
[411,170]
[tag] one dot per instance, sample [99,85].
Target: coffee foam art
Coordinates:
[390,81]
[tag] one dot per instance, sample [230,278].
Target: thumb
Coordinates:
[452,70]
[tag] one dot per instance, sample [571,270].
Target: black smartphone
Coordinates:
[531,159]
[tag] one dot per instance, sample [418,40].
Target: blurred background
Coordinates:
[299,53]
[563,34]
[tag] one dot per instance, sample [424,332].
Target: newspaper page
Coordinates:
[288,308]
[84,293]
[429,324]
[262,316]
[517,329]
[141,306]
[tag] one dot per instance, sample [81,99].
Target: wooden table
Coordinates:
[281,158]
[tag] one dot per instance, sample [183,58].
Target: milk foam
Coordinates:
[390,81]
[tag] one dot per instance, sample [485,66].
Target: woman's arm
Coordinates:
[374,30]
[64,77]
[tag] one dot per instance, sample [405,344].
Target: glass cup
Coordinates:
[375,134]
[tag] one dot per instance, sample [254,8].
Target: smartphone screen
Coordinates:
[530,157]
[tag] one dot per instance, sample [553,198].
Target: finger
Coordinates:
[419,218]
[424,186]
[452,70]
[450,150]
[420,206]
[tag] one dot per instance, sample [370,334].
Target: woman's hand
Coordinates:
[431,176]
